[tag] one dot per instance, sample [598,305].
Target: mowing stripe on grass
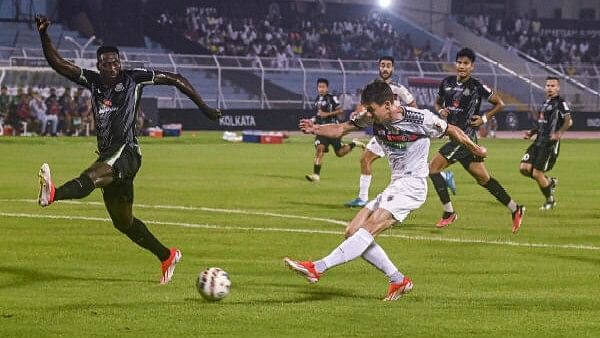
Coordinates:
[181,207]
[314,231]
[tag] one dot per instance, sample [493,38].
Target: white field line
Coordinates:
[180,207]
[314,231]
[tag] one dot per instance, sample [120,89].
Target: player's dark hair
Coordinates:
[552,78]
[466,52]
[386,58]
[377,92]
[323,80]
[106,49]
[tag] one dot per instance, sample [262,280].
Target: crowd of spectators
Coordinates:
[272,36]
[45,111]
[549,45]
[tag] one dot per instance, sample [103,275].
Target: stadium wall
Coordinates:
[287,119]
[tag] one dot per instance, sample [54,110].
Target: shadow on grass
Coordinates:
[30,276]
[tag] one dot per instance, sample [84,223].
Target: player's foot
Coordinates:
[168,265]
[396,290]
[517,218]
[306,269]
[548,205]
[447,219]
[358,143]
[356,203]
[46,195]
[449,177]
[313,177]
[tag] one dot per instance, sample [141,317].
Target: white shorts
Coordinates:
[374,147]
[402,196]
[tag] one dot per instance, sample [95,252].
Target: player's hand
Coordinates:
[476,121]
[527,135]
[307,126]
[42,23]
[444,112]
[321,113]
[555,137]
[480,151]
[212,114]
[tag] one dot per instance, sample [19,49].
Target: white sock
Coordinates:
[365,183]
[379,259]
[512,205]
[448,207]
[350,249]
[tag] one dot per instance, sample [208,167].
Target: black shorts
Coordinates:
[453,151]
[125,167]
[336,143]
[542,157]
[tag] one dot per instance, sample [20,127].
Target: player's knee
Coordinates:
[525,171]
[483,181]
[123,224]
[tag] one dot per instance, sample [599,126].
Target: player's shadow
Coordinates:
[285,177]
[27,276]
[333,206]
[295,293]
[590,260]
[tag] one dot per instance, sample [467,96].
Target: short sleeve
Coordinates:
[87,78]
[335,102]
[485,91]
[362,120]
[433,125]
[564,108]
[142,75]
[404,95]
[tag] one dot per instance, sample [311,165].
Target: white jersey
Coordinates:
[406,141]
[402,96]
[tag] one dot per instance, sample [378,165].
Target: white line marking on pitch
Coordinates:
[314,231]
[180,207]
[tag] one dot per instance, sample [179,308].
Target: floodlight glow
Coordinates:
[385,3]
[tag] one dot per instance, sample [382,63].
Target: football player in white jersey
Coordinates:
[403,133]
[373,151]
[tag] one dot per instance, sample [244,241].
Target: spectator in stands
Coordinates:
[52,112]
[23,116]
[67,106]
[38,109]
[5,105]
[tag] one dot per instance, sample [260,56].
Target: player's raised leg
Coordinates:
[98,174]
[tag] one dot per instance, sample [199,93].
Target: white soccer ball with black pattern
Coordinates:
[213,284]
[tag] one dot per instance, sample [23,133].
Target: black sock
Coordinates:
[317,169]
[439,183]
[76,188]
[139,233]
[497,190]
[547,191]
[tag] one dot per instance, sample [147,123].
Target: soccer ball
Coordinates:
[213,284]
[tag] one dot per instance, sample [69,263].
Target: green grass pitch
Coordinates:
[65,270]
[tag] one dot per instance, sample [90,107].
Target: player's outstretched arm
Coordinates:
[459,136]
[184,86]
[328,130]
[57,62]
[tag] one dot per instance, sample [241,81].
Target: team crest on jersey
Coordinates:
[466,92]
[119,87]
